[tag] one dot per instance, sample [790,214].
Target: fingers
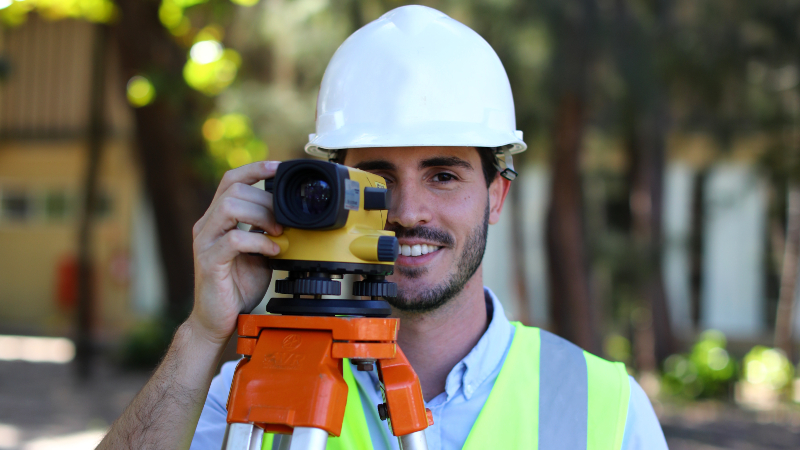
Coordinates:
[247,174]
[225,212]
[236,242]
[250,194]
[231,210]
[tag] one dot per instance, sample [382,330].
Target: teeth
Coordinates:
[417,250]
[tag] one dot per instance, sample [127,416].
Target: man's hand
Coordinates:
[229,280]
[231,276]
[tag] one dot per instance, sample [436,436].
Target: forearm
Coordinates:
[165,413]
[231,277]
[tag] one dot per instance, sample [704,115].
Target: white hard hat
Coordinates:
[415,77]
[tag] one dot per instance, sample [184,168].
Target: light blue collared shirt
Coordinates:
[454,411]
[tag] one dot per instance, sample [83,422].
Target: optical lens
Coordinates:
[315,196]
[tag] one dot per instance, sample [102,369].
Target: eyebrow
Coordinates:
[445,161]
[439,161]
[378,164]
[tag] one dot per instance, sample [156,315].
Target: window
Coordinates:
[57,205]
[15,205]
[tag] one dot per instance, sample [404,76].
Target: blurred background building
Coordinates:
[658,200]
[44,116]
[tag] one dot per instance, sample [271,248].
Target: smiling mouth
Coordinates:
[418,249]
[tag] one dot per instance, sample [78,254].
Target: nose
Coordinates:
[410,207]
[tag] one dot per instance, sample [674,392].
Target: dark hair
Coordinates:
[488,163]
[486,154]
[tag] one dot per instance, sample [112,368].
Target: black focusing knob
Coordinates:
[375,289]
[308,286]
[388,248]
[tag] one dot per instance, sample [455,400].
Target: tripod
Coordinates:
[290,381]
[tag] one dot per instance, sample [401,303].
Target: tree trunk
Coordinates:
[167,132]
[646,119]
[86,296]
[786,299]
[696,247]
[518,253]
[654,341]
[572,309]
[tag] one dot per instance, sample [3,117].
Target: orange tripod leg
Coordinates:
[404,405]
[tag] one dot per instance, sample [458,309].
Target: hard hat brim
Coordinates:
[472,136]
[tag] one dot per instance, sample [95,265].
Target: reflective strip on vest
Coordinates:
[549,394]
[562,394]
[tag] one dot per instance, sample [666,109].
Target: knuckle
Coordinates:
[227,206]
[196,228]
[236,189]
[228,176]
[234,238]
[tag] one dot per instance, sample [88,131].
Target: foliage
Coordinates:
[767,366]
[231,141]
[145,345]
[15,12]
[706,372]
[211,68]
[617,348]
[140,91]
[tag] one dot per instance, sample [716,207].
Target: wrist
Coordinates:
[197,333]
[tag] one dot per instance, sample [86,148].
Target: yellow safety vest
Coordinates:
[549,394]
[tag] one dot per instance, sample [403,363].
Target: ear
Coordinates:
[498,191]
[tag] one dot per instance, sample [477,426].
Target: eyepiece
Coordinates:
[314,196]
[310,195]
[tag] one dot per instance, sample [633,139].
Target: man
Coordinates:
[423,101]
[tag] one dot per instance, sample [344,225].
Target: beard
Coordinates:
[437,296]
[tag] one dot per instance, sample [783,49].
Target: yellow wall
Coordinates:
[30,249]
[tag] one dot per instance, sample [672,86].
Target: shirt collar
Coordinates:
[487,354]
[479,363]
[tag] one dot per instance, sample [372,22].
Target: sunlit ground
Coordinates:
[712,425]
[36,349]
[43,406]
[10,438]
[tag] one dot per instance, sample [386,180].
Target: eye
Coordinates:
[443,177]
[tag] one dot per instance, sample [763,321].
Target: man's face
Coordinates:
[440,204]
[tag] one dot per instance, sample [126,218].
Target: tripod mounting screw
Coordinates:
[383,411]
[363,365]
